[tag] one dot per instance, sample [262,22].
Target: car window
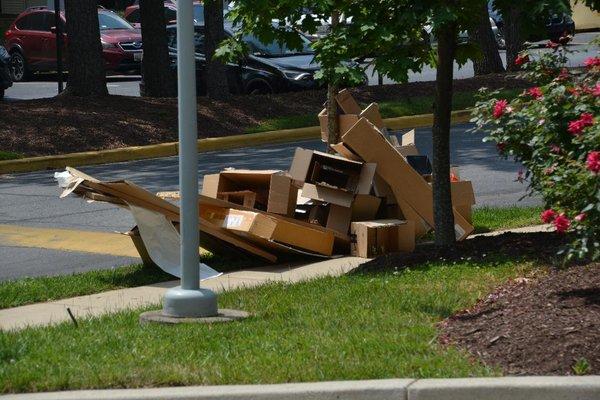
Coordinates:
[198,40]
[199,14]
[170,14]
[273,49]
[32,22]
[109,20]
[134,16]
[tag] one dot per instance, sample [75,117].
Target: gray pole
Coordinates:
[188,300]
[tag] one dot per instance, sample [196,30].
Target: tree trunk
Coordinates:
[442,199]
[87,76]
[512,36]
[482,34]
[333,128]
[216,74]
[158,78]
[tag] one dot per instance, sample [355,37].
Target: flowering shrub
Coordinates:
[553,128]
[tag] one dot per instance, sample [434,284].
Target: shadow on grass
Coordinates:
[539,247]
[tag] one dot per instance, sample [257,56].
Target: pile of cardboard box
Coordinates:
[370,198]
[374,194]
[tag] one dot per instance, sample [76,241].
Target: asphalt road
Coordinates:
[32,199]
[43,86]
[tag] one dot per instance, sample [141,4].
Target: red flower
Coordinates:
[500,108]
[552,45]
[592,62]
[596,90]
[535,92]
[563,75]
[522,59]
[593,161]
[574,91]
[577,126]
[501,146]
[580,217]
[548,216]
[562,223]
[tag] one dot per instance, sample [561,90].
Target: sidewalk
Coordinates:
[55,312]
[41,314]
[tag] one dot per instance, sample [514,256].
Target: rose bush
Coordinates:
[553,128]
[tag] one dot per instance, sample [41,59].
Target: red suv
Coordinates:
[31,42]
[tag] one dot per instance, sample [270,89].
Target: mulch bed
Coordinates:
[540,325]
[62,124]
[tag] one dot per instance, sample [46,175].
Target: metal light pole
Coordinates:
[59,39]
[188,300]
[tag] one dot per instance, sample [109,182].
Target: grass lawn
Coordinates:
[33,290]
[359,326]
[408,106]
[9,155]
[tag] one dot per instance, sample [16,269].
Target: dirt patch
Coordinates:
[544,326]
[62,125]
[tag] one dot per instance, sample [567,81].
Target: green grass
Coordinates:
[34,290]
[359,326]
[486,219]
[39,289]
[9,155]
[408,106]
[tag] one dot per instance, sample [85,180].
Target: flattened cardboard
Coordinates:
[366,141]
[408,146]
[463,198]
[346,121]
[373,238]
[347,103]
[372,114]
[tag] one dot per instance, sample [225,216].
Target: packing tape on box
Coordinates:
[162,242]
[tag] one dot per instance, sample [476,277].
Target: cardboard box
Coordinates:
[245,198]
[270,229]
[463,198]
[374,238]
[365,207]
[408,146]
[344,151]
[345,122]
[366,141]
[274,189]
[332,171]
[347,103]
[338,218]
[372,114]
[327,195]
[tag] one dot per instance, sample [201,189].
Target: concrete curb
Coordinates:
[204,145]
[507,388]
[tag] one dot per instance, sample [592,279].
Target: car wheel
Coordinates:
[259,88]
[18,67]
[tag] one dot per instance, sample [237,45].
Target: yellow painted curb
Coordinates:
[204,145]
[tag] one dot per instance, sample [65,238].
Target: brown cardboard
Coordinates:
[270,229]
[338,218]
[327,195]
[366,141]
[257,181]
[345,152]
[332,171]
[372,114]
[373,238]
[323,124]
[282,195]
[346,121]
[463,198]
[365,207]
[247,198]
[347,103]
[408,146]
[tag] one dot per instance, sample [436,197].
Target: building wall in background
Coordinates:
[585,19]
[13,7]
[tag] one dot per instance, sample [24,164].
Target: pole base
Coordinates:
[186,303]
[224,315]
